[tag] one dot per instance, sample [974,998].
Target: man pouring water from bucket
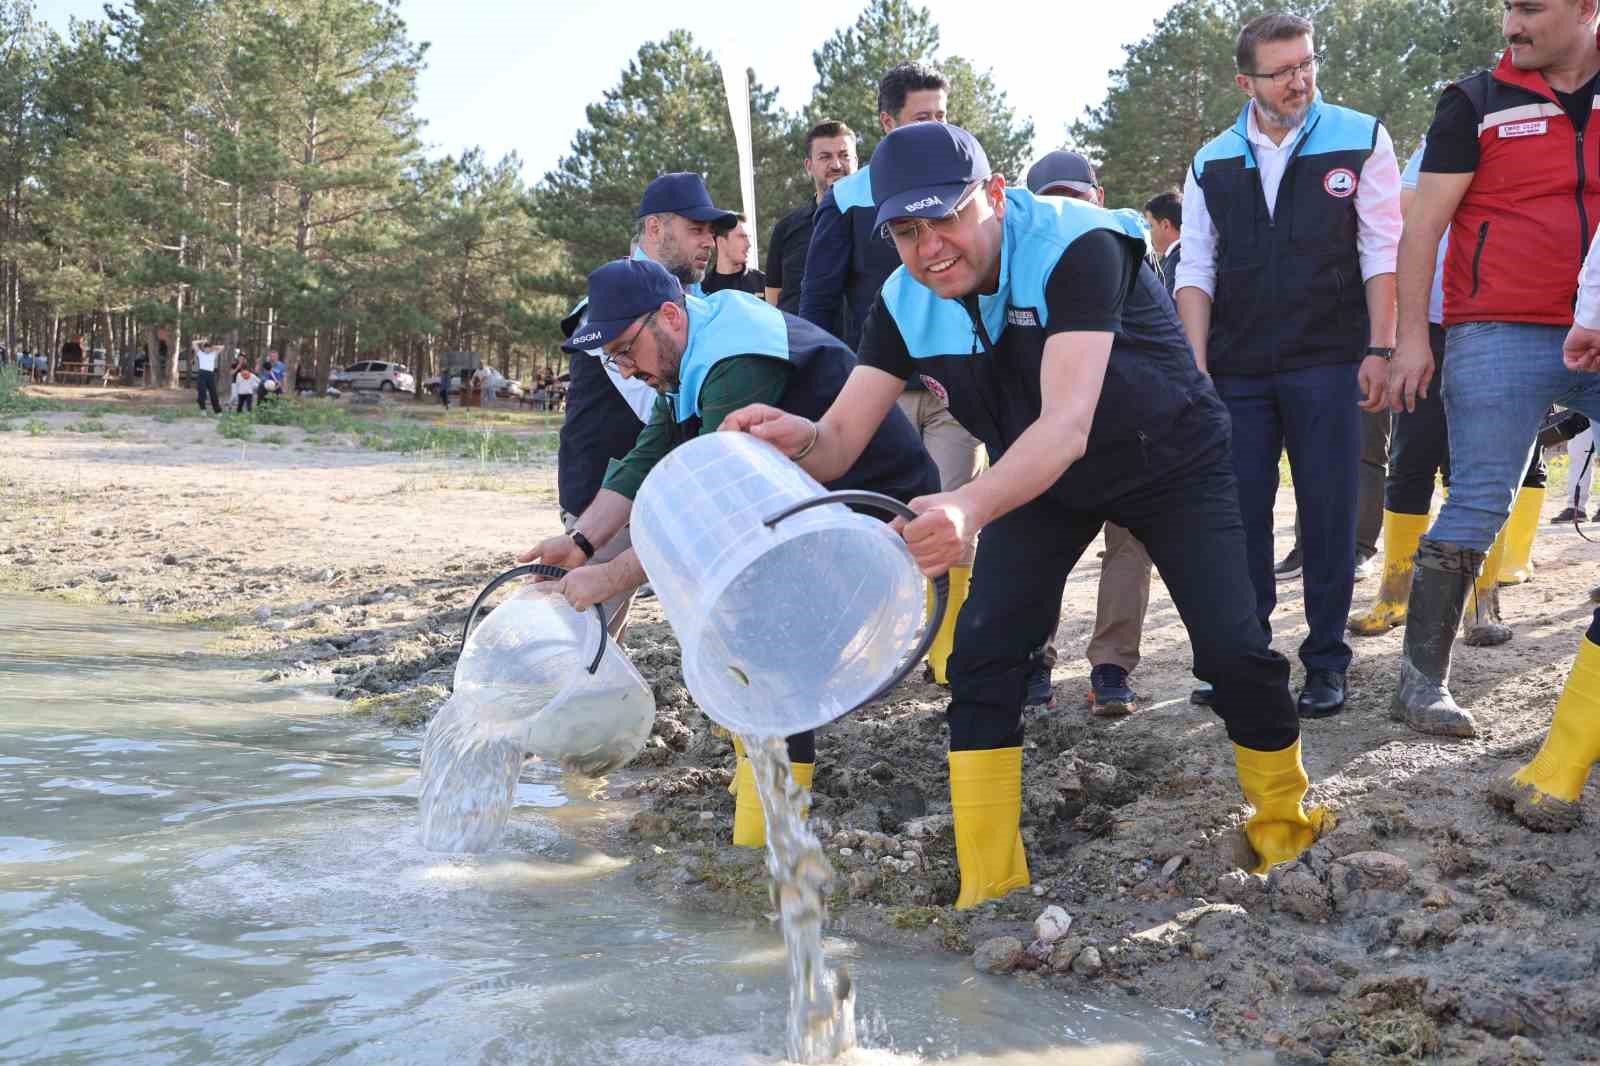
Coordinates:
[1058,349]
[709,356]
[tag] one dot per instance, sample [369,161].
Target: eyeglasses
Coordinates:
[623,355]
[909,230]
[1287,74]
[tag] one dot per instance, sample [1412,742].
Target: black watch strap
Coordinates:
[583,544]
[1372,349]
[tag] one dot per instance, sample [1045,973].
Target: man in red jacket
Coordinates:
[1512,167]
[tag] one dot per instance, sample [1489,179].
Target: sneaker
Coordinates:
[1289,569]
[1040,694]
[1109,694]
[1366,565]
[1571,514]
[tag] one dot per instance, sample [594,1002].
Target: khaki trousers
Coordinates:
[959,455]
[617,607]
[1124,597]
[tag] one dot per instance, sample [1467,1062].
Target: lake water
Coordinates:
[196,867]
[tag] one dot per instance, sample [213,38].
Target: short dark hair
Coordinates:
[1166,206]
[1278,26]
[904,79]
[724,226]
[830,128]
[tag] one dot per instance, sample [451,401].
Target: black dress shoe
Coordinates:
[1204,696]
[1323,696]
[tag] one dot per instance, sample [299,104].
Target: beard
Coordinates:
[1285,119]
[679,264]
[670,357]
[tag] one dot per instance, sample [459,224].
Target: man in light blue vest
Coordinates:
[1060,350]
[708,356]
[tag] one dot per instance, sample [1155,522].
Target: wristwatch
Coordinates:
[583,544]
[1372,349]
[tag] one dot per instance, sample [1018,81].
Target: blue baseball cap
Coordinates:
[682,193]
[1059,170]
[620,293]
[921,170]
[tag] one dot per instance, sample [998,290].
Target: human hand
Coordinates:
[1410,374]
[586,586]
[1373,381]
[786,432]
[938,536]
[1581,349]
[560,551]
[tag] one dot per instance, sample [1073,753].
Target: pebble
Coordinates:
[1038,890]
[861,883]
[706,816]
[1315,980]
[263,613]
[1299,892]
[1088,963]
[998,956]
[845,853]
[1052,924]
[1171,867]
[1523,1048]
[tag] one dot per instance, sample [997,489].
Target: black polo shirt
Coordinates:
[786,255]
[751,281]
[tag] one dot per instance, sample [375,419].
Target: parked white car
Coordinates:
[385,377]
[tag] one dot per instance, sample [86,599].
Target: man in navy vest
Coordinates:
[1059,350]
[848,262]
[708,356]
[605,411]
[1286,290]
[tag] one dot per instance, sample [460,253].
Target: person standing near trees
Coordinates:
[846,265]
[1286,291]
[830,155]
[1163,213]
[731,268]
[205,376]
[1512,170]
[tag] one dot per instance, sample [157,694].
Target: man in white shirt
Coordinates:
[205,376]
[1286,289]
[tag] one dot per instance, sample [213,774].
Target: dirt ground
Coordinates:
[1426,927]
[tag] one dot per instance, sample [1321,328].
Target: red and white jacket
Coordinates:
[1522,230]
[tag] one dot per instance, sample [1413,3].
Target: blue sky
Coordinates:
[517,76]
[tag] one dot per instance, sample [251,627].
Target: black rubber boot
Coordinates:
[1444,575]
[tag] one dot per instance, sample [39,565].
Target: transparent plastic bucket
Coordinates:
[792,610]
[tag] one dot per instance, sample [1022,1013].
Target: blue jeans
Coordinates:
[1499,381]
[1313,413]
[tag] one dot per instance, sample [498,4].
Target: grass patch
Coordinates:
[275,438]
[87,425]
[6,426]
[236,427]
[402,710]
[35,428]
[13,401]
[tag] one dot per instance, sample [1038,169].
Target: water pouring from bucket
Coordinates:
[792,610]
[534,678]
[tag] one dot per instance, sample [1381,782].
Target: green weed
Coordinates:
[87,425]
[12,399]
[35,427]
[236,427]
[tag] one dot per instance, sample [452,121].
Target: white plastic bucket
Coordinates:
[784,626]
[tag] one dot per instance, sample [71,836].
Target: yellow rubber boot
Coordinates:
[1544,794]
[749,819]
[1481,619]
[986,797]
[1521,528]
[1401,534]
[1275,783]
[945,642]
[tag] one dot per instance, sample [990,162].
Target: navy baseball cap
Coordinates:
[1061,169]
[921,170]
[620,293]
[682,193]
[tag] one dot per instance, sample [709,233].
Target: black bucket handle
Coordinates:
[941,584]
[535,570]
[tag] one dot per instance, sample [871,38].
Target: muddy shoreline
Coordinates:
[1426,927]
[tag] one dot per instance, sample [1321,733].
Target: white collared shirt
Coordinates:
[205,358]
[1587,311]
[1377,208]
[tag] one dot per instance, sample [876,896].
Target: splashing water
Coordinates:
[822,1023]
[469,778]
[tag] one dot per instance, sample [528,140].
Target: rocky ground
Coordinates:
[1426,927]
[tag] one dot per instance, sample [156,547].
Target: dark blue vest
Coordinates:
[599,426]
[872,259]
[986,352]
[1289,292]
[728,325]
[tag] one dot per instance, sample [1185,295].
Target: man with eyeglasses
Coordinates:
[1287,293]
[1059,350]
[606,411]
[707,357]
[1512,169]
[848,262]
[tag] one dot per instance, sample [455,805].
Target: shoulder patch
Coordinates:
[1340,182]
[1022,316]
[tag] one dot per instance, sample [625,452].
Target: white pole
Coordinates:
[736,84]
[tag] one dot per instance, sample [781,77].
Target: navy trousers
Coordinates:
[1313,414]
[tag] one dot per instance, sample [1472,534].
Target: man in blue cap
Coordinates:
[708,356]
[605,411]
[1060,351]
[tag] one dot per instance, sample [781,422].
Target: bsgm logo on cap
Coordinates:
[586,338]
[926,202]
